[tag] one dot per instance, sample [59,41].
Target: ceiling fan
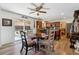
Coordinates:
[38,9]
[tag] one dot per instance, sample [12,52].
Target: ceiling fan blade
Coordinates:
[37,14]
[46,8]
[42,4]
[42,11]
[31,12]
[31,9]
[34,4]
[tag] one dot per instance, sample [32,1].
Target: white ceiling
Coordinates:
[56,11]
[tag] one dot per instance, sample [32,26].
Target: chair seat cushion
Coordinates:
[30,42]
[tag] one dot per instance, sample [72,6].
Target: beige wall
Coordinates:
[7,34]
[62,25]
[23,22]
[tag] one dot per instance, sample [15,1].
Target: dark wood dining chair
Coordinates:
[26,43]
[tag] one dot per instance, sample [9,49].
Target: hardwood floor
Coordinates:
[11,49]
[61,47]
[14,49]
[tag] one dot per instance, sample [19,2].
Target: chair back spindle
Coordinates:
[23,37]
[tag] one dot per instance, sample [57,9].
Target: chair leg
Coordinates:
[21,48]
[26,50]
[35,47]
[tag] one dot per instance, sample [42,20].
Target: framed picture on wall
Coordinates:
[6,22]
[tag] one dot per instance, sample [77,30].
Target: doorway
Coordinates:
[23,25]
